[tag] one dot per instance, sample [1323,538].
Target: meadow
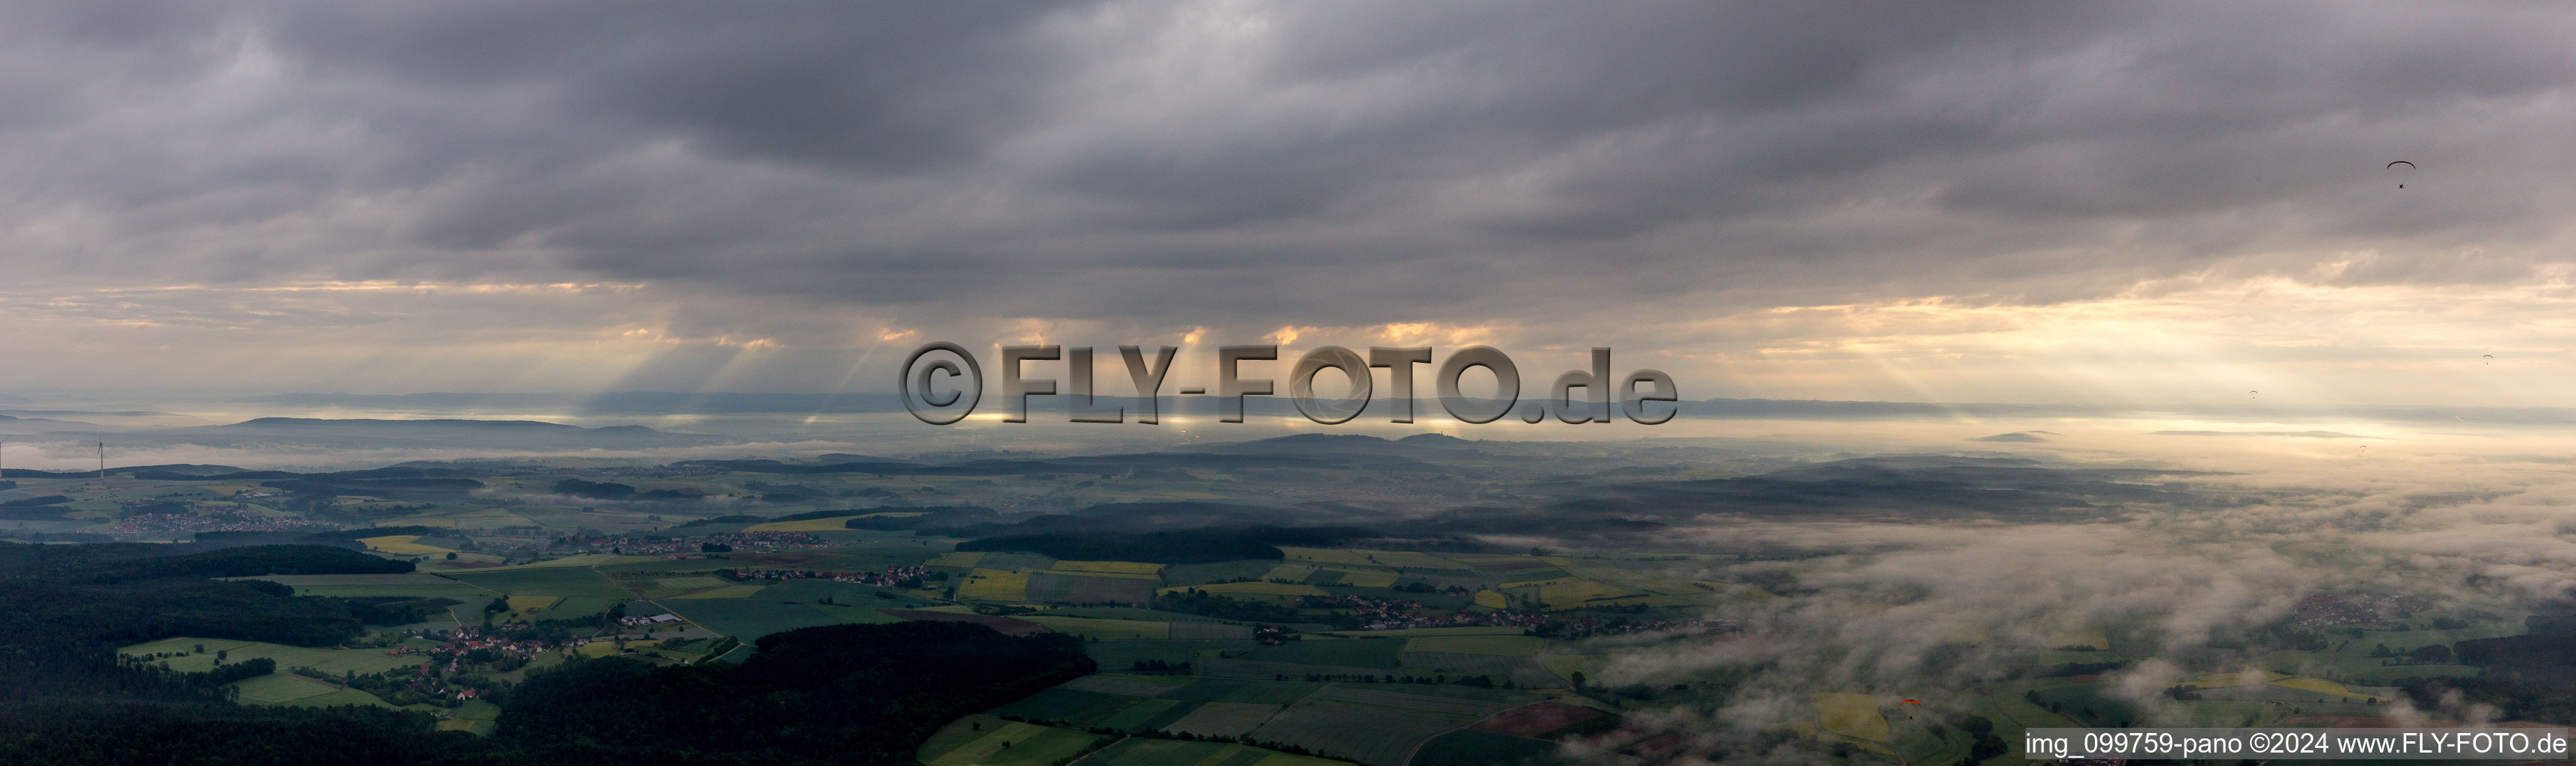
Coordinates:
[328,660]
[988,741]
[1371,735]
[1139,751]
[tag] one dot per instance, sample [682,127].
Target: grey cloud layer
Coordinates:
[1173,163]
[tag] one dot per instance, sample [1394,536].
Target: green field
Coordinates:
[1224,719]
[1258,692]
[2230,713]
[1150,715]
[1368,734]
[1093,710]
[569,582]
[1103,629]
[2089,704]
[993,585]
[298,691]
[1916,741]
[1524,672]
[841,593]
[1355,652]
[1519,646]
[475,716]
[577,607]
[2011,713]
[332,661]
[2351,661]
[342,697]
[751,618]
[691,582]
[1130,685]
[1066,706]
[531,603]
[1259,590]
[988,741]
[1139,751]
[1132,613]
[583,561]
[1479,630]
[1463,709]
[1500,698]
[1468,747]
[1193,574]
[1409,561]
[1566,665]
[1120,655]
[729,591]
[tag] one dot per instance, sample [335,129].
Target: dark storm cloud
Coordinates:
[1187,163]
[876,86]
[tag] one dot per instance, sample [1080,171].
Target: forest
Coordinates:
[849,694]
[835,694]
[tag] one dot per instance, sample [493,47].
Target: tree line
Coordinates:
[865,694]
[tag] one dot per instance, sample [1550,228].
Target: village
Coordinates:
[652,544]
[147,524]
[901,576]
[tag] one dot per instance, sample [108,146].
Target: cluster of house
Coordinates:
[647,546]
[904,576]
[1597,626]
[1382,615]
[1398,614]
[444,659]
[1404,621]
[2325,610]
[144,523]
[428,682]
[1372,609]
[458,642]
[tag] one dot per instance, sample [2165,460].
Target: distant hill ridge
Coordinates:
[735,402]
[430,422]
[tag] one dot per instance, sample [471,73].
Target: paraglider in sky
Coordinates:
[2402,174]
[2489,357]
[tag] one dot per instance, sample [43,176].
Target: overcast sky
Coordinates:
[1993,202]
